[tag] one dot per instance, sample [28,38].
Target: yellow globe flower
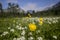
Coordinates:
[41,22]
[41,19]
[32,27]
[26,17]
[29,15]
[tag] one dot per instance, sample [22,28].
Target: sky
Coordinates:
[36,5]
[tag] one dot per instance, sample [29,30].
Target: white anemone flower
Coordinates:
[38,31]
[21,38]
[25,27]
[54,21]
[49,22]
[30,33]
[4,33]
[14,21]
[40,38]
[14,38]
[31,38]
[23,32]
[17,26]
[9,27]
[55,37]
[12,30]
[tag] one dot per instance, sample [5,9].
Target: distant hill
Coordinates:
[51,11]
[55,7]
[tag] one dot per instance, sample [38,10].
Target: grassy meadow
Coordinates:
[30,28]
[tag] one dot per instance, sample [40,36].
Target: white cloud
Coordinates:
[29,6]
[12,1]
[34,6]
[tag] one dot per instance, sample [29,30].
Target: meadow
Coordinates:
[30,28]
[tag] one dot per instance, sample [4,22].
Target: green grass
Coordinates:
[46,31]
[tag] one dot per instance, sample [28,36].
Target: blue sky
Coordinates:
[31,4]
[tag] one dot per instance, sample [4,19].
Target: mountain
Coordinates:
[57,5]
[51,11]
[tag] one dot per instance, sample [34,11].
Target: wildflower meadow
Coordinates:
[29,19]
[30,28]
